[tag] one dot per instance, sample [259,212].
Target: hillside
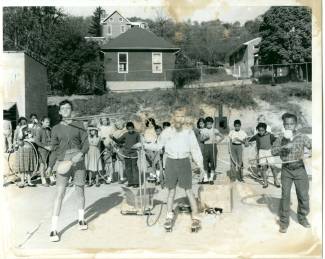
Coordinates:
[244,102]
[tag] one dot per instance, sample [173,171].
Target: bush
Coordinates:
[237,97]
[185,72]
[265,77]
[272,96]
[304,92]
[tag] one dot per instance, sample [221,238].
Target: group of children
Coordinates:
[28,139]
[105,148]
[111,155]
[119,157]
[264,160]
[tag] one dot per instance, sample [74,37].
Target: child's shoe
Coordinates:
[82,225]
[54,237]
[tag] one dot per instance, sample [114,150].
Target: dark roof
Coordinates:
[138,39]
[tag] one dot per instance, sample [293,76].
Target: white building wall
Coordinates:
[13,80]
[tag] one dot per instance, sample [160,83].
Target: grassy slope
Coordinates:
[158,103]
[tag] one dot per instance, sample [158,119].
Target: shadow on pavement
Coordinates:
[273,204]
[98,208]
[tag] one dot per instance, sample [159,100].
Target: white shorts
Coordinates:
[265,157]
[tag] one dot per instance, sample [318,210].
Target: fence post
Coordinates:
[201,74]
[307,73]
[273,81]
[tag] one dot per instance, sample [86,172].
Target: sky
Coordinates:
[180,13]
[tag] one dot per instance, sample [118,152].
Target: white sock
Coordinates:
[205,178]
[43,180]
[81,214]
[170,215]
[158,173]
[54,225]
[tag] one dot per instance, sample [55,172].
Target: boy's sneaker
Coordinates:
[305,223]
[54,237]
[82,225]
[122,180]
[283,229]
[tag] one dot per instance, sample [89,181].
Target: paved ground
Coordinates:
[250,230]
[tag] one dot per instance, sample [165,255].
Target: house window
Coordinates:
[156,62]
[122,62]
[109,29]
[122,28]
[142,25]
[121,19]
[111,19]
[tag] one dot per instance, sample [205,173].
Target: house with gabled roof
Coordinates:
[244,57]
[138,60]
[115,24]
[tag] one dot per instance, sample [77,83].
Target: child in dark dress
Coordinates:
[129,139]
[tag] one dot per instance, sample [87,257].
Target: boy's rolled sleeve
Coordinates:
[84,141]
[276,147]
[196,151]
[307,142]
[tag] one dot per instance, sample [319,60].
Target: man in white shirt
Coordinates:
[180,146]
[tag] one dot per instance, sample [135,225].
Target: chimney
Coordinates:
[103,15]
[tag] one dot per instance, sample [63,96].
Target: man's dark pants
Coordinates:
[131,170]
[294,173]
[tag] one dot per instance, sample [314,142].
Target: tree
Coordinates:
[286,35]
[95,27]
[76,66]
[253,26]
[29,27]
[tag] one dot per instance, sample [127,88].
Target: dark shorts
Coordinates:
[77,172]
[178,171]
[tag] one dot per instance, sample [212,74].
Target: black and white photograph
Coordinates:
[161,129]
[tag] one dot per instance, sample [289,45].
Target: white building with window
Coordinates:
[115,24]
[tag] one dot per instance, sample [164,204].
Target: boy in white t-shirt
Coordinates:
[237,139]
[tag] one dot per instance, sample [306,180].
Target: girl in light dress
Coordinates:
[25,157]
[92,159]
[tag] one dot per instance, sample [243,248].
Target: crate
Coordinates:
[218,195]
[132,198]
